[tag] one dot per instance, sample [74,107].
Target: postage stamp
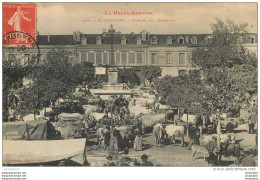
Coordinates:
[19,18]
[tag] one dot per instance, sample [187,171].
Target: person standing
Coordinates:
[192,135]
[252,121]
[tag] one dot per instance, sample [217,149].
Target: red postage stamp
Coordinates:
[19,18]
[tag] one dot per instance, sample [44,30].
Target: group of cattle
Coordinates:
[172,131]
[228,145]
[124,135]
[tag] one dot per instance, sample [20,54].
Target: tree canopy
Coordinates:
[151,72]
[220,62]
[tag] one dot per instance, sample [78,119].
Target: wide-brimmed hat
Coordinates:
[144,156]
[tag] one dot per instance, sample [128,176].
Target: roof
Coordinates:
[130,39]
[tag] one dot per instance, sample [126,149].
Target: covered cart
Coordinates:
[35,143]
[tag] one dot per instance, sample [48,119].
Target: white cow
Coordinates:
[175,132]
[224,138]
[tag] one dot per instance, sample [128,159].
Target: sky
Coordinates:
[182,18]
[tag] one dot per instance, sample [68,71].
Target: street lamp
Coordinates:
[112,31]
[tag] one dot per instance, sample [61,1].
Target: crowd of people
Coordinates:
[127,161]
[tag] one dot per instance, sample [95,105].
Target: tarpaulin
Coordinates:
[30,130]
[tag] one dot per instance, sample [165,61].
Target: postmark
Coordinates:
[19,17]
[26,55]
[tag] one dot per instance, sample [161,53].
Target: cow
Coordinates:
[199,149]
[231,150]
[174,131]
[158,132]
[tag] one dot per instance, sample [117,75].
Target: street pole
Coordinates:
[111,32]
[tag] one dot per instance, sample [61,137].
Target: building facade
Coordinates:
[171,52]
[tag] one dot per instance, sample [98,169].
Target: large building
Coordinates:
[171,52]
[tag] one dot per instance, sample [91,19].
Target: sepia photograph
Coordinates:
[129,84]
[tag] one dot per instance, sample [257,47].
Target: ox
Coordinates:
[174,131]
[158,132]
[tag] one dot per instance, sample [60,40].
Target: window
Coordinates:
[98,40]
[181,40]
[169,58]
[208,40]
[153,40]
[131,57]
[91,57]
[169,40]
[194,40]
[139,42]
[105,58]
[252,40]
[123,58]
[83,57]
[139,57]
[181,58]
[98,58]
[118,57]
[123,40]
[154,58]
[181,72]
[83,40]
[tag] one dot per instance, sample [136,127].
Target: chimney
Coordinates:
[74,36]
[143,33]
[78,33]
[49,38]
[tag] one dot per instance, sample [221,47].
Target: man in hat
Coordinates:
[252,121]
[213,156]
[145,161]
[110,161]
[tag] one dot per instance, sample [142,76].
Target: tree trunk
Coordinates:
[34,116]
[219,133]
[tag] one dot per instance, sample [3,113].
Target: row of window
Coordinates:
[25,59]
[131,57]
[153,40]
[169,58]
[122,58]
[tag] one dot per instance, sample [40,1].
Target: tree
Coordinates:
[218,59]
[55,78]
[151,72]
[128,75]
[13,73]
[86,74]
[182,92]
